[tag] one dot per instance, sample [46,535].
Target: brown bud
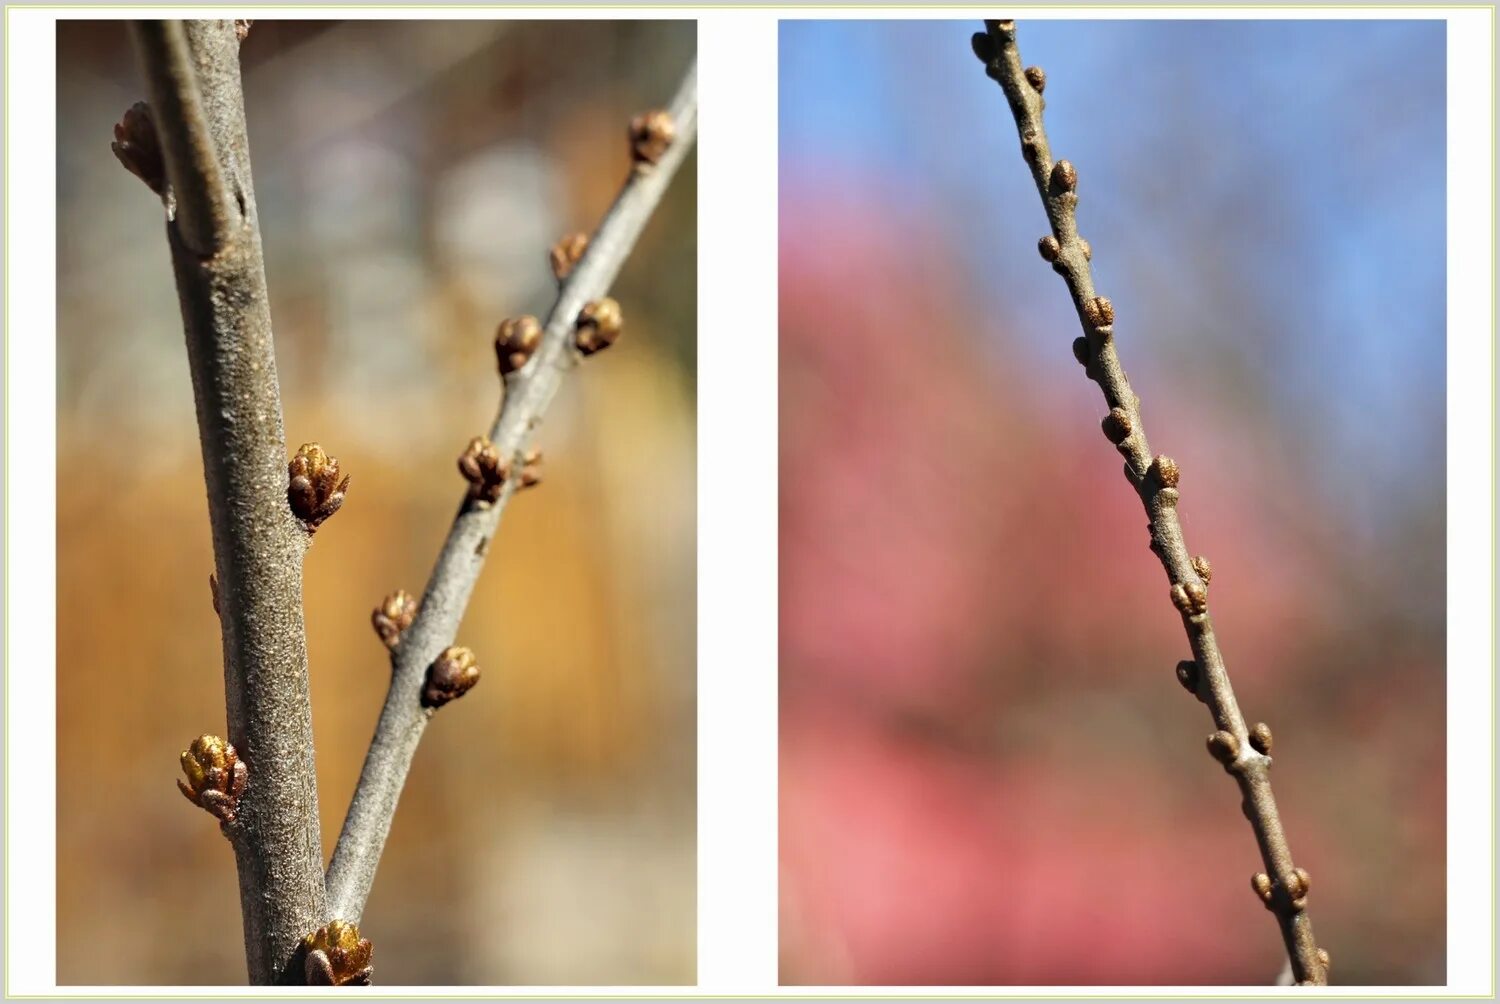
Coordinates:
[450,676]
[1260,738]
[137,147]
[1197,595]
[531,469]
[1164,470]
[650,135]
[598,325]
[315,491]
[1224,747]
[1081,350]
[1064,176]
[1324,960]
[1261,883]
[336,956]
[1203,567]
[242,27]
[1099,311]
[1299,886]
[1049,248]
[216,778]
[983,45]
[481,465]
[1117,425]
[515,341]
[1187,675]
[1037,78]
[1088,251]
[566,253]
[1029,147]
[213,590]
[393,616]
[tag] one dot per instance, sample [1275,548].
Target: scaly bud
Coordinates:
[1037,78]
[480,463]
[450,676]
[393,616]
[1203,567]
[315,491]
[1260,738]
[515,341]
[1224,747]
[598,325]
[1164,470]
[216,778]
[1099,311]
[1117,426]
[566,253]
[1048,248]
[1064,176]
[138,148]
[651,133]
[336,956]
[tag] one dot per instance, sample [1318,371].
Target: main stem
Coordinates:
[1249,767]
[192,72]
[528,392]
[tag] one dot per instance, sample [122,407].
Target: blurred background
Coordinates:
[411,177]
[989,773]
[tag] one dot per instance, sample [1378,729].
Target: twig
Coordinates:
[192,71]
[1243,751]
[528,391]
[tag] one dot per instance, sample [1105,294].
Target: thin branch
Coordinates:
[528,392]
[1243,751]
[192,69]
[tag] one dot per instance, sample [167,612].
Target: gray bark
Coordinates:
[528,392]
[192,72]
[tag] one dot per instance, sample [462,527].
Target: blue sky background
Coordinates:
[1265,201]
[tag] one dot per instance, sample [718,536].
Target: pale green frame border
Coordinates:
[786,992]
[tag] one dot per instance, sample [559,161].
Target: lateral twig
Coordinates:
[271,803]
[1244,752]
[528,391]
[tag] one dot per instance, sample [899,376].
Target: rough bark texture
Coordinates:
[1155,482]
[528,392]
[192,72]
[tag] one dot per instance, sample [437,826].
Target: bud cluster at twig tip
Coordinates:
[450,677]
[1049,248]
[1099,312]
[651,133]
[1117,425]
[216,778]
[393,616]
[314,491]
[480,463]
[566,253]
[1164,469]
[531,469]
[598,325]
[1064,176]
[515,341]
[1203,567]
[138,148]
[336,956]
[1224,747]
[1037,78]
[1260,738]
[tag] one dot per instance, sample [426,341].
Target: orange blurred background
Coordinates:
[411,177]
